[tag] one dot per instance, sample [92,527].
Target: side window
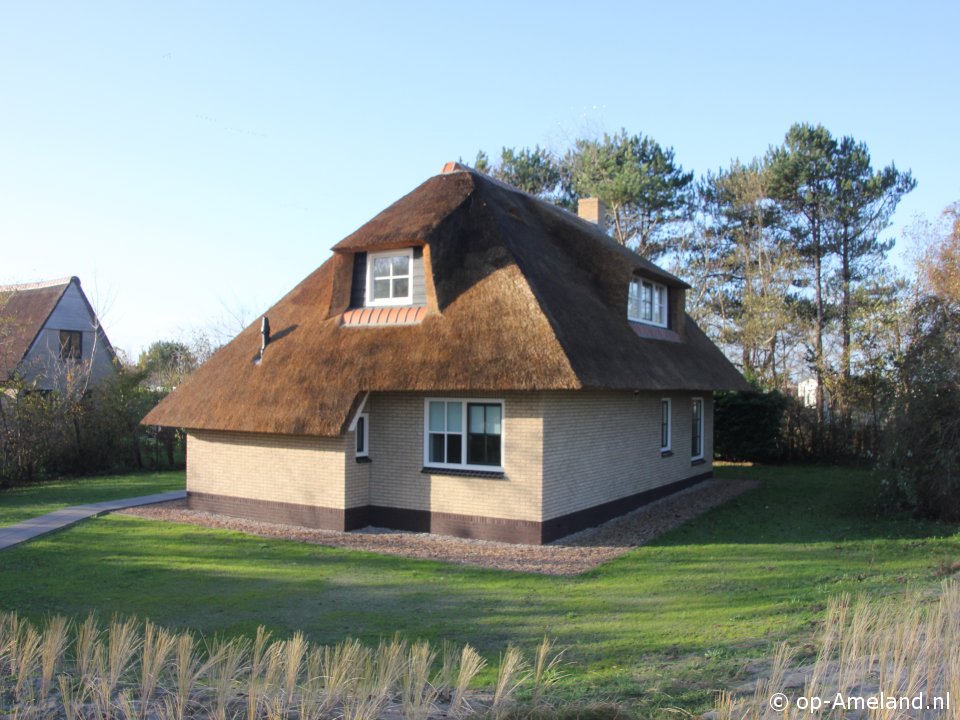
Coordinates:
[363,435]
[696,437]
[666,429]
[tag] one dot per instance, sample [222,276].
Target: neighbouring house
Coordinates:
[51,336]
[473,361]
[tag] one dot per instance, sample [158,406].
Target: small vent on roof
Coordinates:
[264,335]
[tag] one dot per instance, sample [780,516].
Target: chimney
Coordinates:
[592,210]
[451,167]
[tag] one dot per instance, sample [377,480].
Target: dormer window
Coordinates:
[647,303]
[389,278]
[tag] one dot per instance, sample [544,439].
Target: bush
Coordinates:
[75,431]
[922,464]
[747,425]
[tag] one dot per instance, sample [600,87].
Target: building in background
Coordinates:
[50,336]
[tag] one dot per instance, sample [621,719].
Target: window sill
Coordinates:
[364,459]
[698,461]
[666,453]
[452,472]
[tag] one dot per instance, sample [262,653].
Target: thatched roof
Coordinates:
[24,310]
[521,295]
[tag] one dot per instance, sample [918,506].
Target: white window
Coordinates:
[363,435]
[647,302]
[463,434]
[390,277]
[696,436]
[666,431]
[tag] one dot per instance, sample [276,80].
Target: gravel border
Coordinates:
[571,555]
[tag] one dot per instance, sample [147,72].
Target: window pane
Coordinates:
[493,450]
[477,450]
[647,302]
[381,289]
[401,265]
[484,450]
[436,447]
[454,449]
[633,307]
[361,425]
[476,418]
[436,416]
[381,267]
[401,287]
[493,420]
[454,418]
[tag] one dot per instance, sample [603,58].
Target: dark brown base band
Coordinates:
[528,532]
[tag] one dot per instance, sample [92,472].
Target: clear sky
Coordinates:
[189,160]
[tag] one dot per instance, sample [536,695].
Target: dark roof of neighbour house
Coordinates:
[24,310]
[521,295]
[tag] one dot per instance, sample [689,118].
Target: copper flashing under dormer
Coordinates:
[652,332]
[379,316]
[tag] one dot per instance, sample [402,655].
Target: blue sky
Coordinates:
[191,160]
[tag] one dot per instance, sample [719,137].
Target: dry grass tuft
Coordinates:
[129,670]
[891,651]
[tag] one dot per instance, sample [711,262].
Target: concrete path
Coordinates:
[59,519]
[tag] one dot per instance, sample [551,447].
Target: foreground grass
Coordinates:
[665,625]
[22,503]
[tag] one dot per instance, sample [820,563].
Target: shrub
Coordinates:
[921,466]
[747,425]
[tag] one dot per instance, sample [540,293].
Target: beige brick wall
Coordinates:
[602,446]
[563,452]
[396,451]
[284,468]
[357,475]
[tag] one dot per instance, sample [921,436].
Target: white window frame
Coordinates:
[365,418]
[463,425]
[703,443]
[659,302]
[405,300]
[669,446]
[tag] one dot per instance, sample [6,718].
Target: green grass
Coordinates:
[22,503]
[663,626]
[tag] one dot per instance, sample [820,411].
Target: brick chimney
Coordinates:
[592,210]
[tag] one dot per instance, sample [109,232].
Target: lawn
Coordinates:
[663,626]
[21,503]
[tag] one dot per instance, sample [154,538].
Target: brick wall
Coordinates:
[563,452]
[602,446]
[281,468]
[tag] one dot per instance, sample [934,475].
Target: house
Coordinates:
[472,361]
[50,335]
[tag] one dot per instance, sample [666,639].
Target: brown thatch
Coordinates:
[24,310]
[521,295]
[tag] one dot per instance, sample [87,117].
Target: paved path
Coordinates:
[35,527]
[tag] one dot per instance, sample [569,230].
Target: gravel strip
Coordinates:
[571,555]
